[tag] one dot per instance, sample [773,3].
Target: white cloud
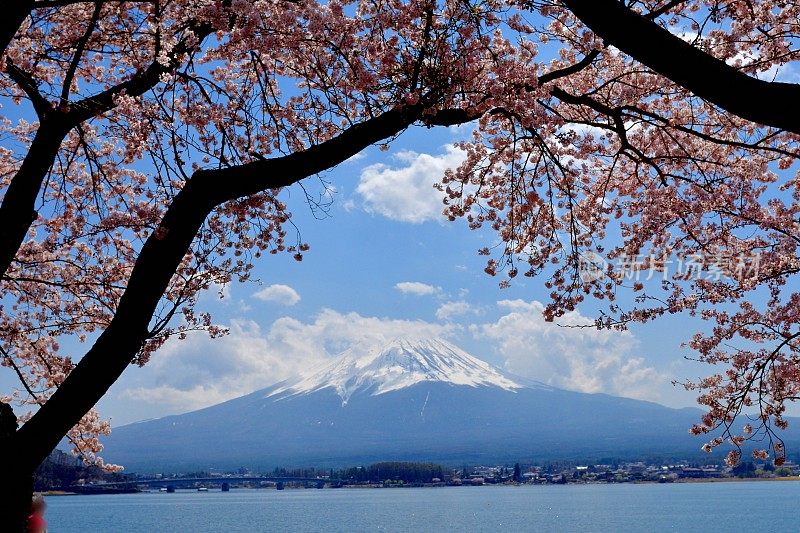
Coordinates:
[199,371]
[457,308]
[416,288]
[175,400]
[406,193]
[577,358]
[216,292]
[463,130]
[582,129]
[282,294]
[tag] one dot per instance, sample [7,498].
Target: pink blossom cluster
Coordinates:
[616,161]
[140,99]
[577,149]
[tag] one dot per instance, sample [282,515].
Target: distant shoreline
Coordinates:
[737,479]
[436,486]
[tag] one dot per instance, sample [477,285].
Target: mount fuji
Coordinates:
[424,400]
[398,365]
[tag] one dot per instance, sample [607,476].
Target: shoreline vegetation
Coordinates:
[52,493]
[65,475]
[740,479]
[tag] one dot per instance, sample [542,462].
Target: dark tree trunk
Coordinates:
[14,14]
[18,211]
[16,494]
[16,485]
[115,348]
[157,262]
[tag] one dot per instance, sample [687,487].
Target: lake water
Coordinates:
[757,506]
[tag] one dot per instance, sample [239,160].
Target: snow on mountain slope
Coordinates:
[400,364]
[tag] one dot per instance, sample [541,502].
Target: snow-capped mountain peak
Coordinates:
[397,365]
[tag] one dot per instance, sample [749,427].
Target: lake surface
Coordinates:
[756,506]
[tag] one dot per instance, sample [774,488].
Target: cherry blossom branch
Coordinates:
[160,257]
[767,103]
[44,4]
[28,85]
[18,371]
[618,113]
[142,81]
[666,8]
[76,58]
[460,116]
[24,382]
[13,17]
[17,211]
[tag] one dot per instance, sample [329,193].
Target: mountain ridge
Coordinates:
[474,413]
[401,363]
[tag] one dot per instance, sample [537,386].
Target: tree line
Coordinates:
[392,471]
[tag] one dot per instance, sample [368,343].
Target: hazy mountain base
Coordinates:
[429,421]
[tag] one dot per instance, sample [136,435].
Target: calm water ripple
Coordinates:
[759,506]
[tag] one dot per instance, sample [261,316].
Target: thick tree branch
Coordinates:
[76,58]
[17,211]
[767,103]
[28,85]
[141,82]
[450,117]
[14,14]
[160,257]
[43,4]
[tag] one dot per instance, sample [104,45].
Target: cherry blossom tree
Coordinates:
[672,150]
[146,144]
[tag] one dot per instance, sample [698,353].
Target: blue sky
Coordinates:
[384,263]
